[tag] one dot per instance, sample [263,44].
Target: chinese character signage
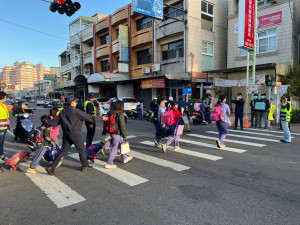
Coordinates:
[123,43]
[49,77]
[270,19]
[187,91]
[150,8]
[260,106]
[246,24]
[282,89]
[155,83]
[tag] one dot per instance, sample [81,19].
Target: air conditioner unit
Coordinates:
[156,67]
[146,70]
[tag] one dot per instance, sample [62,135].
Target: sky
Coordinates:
[21,44]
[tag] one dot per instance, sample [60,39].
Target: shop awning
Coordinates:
[106,77]
[80,80]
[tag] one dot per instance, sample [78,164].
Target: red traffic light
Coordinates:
[61,2]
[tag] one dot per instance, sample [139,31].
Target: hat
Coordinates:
[170,98]
[70,99]
[91,95]
[155,98]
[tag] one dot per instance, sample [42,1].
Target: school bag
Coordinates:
[110,126]
[169,118]
[216,114]
[197,106]
[52,153]
[34,140]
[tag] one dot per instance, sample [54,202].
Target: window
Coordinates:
[105,66]
[143,23]
[117,34]
[207,16]
[144,56]
[104,39]
[172,50]
[266,42]
[171,12]
[207,56]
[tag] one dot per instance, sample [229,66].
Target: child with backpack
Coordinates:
[45,145]
[115,126]
[220,114]
[173,119]
[54,130]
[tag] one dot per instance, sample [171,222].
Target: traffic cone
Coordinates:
[246,122]
[233,124]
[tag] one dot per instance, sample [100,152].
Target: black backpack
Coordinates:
[155,115]
[34,140]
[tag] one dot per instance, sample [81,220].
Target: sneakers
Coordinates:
[50,170]
[129,158]
[3,160]
[32,171]
[164,148]
[108,166]
[102,151]
[177,148]
[86,168]
[157,145]
[218,143]
[284,141]
[222,146]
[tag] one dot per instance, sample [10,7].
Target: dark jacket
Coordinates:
[182,104]
[71,119]
[46,137]
[153,105]
[121,130]
[252,104]
[239,105]
[90,111]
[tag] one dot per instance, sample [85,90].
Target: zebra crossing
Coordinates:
[192,145]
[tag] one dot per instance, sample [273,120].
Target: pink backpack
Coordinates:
[169,118]
[54,131]
[197,106]
[216,113]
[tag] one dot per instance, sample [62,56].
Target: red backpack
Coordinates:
[216,113]
[110,126]
[169,118]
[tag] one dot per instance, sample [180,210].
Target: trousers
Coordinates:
[176,134]
[2,138]
[222,129]
[263,116]
[90,134]
[116,141]
[239,116]
[286,131]
[254,118]
[157,128]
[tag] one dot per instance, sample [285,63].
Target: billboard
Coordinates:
[246,34]
[154,83]
[123,43]
[150,8]
[270,19]
[49,77]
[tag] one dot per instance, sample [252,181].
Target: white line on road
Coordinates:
[272,131]
[247,137]
[228,140]
[158,161]
[117,173]
[58,192]
[188,152]
[98,141]
[250,132]
[11,133]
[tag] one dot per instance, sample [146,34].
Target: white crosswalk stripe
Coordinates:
[188,152]
[117,173]
[158,161]
[247,137]
[228,140]
[250,132]
[271,131]
[58,192]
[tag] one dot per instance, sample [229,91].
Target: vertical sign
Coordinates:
[150,8]
[123,43]
[246,24]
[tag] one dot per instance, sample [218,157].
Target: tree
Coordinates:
[293,78]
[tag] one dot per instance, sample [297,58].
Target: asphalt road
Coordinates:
[253,181]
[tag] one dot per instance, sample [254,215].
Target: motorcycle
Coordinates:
[198,118]
[26,126]
[149,115]
[135,114]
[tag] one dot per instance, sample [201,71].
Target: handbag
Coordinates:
[125,148]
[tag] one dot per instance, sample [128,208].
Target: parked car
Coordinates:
[129,103]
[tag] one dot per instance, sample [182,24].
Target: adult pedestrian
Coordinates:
[4,123]
[140,109]
[254,112]
[263,106]
[222,124]
[90,109]
[153,105]
[285,118]
[239,110]
[118,137]
[80,105]
[70,120]
[158,122]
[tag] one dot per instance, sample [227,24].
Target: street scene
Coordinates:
[150,112]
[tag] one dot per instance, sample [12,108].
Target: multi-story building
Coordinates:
[5,75]
[41,71]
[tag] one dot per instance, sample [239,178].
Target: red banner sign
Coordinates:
[12,87]
[155,83]
[270,19]
[249,24]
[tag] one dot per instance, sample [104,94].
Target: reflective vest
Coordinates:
[4,117]
[85,104]
[285,115]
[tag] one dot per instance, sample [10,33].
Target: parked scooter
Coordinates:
[198,118]
[26,126]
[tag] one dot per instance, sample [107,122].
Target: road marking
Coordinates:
[272,131]
[98,141]
[117,173]
[250,132]
[58,192]
[11,133]
[188,152]
[158,161]
[242,136]
[228,140]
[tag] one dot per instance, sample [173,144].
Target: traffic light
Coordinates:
[64,6]
[269,80]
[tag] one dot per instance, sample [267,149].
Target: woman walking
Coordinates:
[118,136]
[222,123]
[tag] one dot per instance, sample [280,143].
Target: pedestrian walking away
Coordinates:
[118,134]
[158,122]
[90,109]
[4,123]
[285,118]
[70,120]
[221,121]
[254,112]
[140,109]
[239,110]
[263,106]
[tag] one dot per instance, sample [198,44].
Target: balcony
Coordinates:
[76,60]
[120,15]
[115,46]
[142,37]
[88,57]
[87,33]
[102,24]
[65,69]
[102,51]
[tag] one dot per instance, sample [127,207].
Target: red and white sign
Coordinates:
[246,24]
[63,98]
[270,19]
[11,87]
[155,83]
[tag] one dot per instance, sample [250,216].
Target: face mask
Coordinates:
[239,97]
[263,97]
[255,97]
[23,104]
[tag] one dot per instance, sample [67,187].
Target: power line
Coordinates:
[33,29]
